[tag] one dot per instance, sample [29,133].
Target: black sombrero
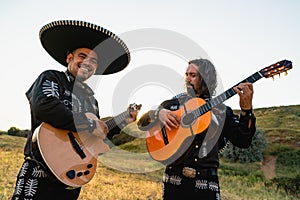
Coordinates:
[60,37]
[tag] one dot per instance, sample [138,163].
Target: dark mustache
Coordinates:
[189,84]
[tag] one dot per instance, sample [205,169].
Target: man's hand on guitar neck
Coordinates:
[133,114]
[245,91]
[101,129]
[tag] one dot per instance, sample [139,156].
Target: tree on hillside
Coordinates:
[13,131]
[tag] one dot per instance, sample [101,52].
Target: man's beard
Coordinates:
[190,89]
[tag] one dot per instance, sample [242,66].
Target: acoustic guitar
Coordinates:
[166,145]
[72,156]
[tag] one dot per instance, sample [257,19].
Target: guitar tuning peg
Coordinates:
[285,73]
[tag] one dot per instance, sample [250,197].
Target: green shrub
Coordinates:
[252,154]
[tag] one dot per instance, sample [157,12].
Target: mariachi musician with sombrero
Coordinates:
[62,99]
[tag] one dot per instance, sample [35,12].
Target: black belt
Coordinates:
[190,172]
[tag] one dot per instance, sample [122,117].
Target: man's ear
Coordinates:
[69,57]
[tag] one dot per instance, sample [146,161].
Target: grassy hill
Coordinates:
[127,173]
[281,124]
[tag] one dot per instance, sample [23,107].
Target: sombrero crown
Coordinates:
[63,36]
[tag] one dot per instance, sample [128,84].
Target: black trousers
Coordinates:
[177,186]
[35,184]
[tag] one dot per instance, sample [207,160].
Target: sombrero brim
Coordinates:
[60,37]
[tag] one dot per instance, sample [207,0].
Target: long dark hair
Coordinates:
[208,77]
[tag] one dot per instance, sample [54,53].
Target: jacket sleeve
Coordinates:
[147,120]
[46,105]
[239,130]
[150,119]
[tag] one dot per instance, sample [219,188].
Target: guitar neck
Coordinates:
[224,96]
[119,119]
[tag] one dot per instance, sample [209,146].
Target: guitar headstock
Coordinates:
[134,106]
[277,68]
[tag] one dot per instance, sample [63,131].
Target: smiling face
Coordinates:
[82,63]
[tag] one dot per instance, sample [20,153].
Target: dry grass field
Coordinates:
[114,184]
[106,184]
[117,183]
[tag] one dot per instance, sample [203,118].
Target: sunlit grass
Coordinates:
[11,158]
[112,184]
[237,181]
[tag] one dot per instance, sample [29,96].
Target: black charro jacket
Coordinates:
[202,150]
[61,100]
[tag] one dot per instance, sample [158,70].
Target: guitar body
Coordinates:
[71,156]
[62,158]
[162,150]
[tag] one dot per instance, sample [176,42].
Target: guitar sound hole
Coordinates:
[79,174]
[71,174]
[87,172]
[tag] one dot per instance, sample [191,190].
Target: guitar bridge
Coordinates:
[76,145]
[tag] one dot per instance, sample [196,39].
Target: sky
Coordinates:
[239,37]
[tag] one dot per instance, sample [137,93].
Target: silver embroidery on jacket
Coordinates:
[213,186]
[201,184]
[23,169]
[50,89]
[19,186]
[173,179]
[165,177]
[38,172]
[31,187]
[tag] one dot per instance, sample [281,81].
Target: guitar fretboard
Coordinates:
[224,96]
[119,119]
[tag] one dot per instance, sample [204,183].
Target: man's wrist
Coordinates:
[247,112]
[92,125]
[156,113]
